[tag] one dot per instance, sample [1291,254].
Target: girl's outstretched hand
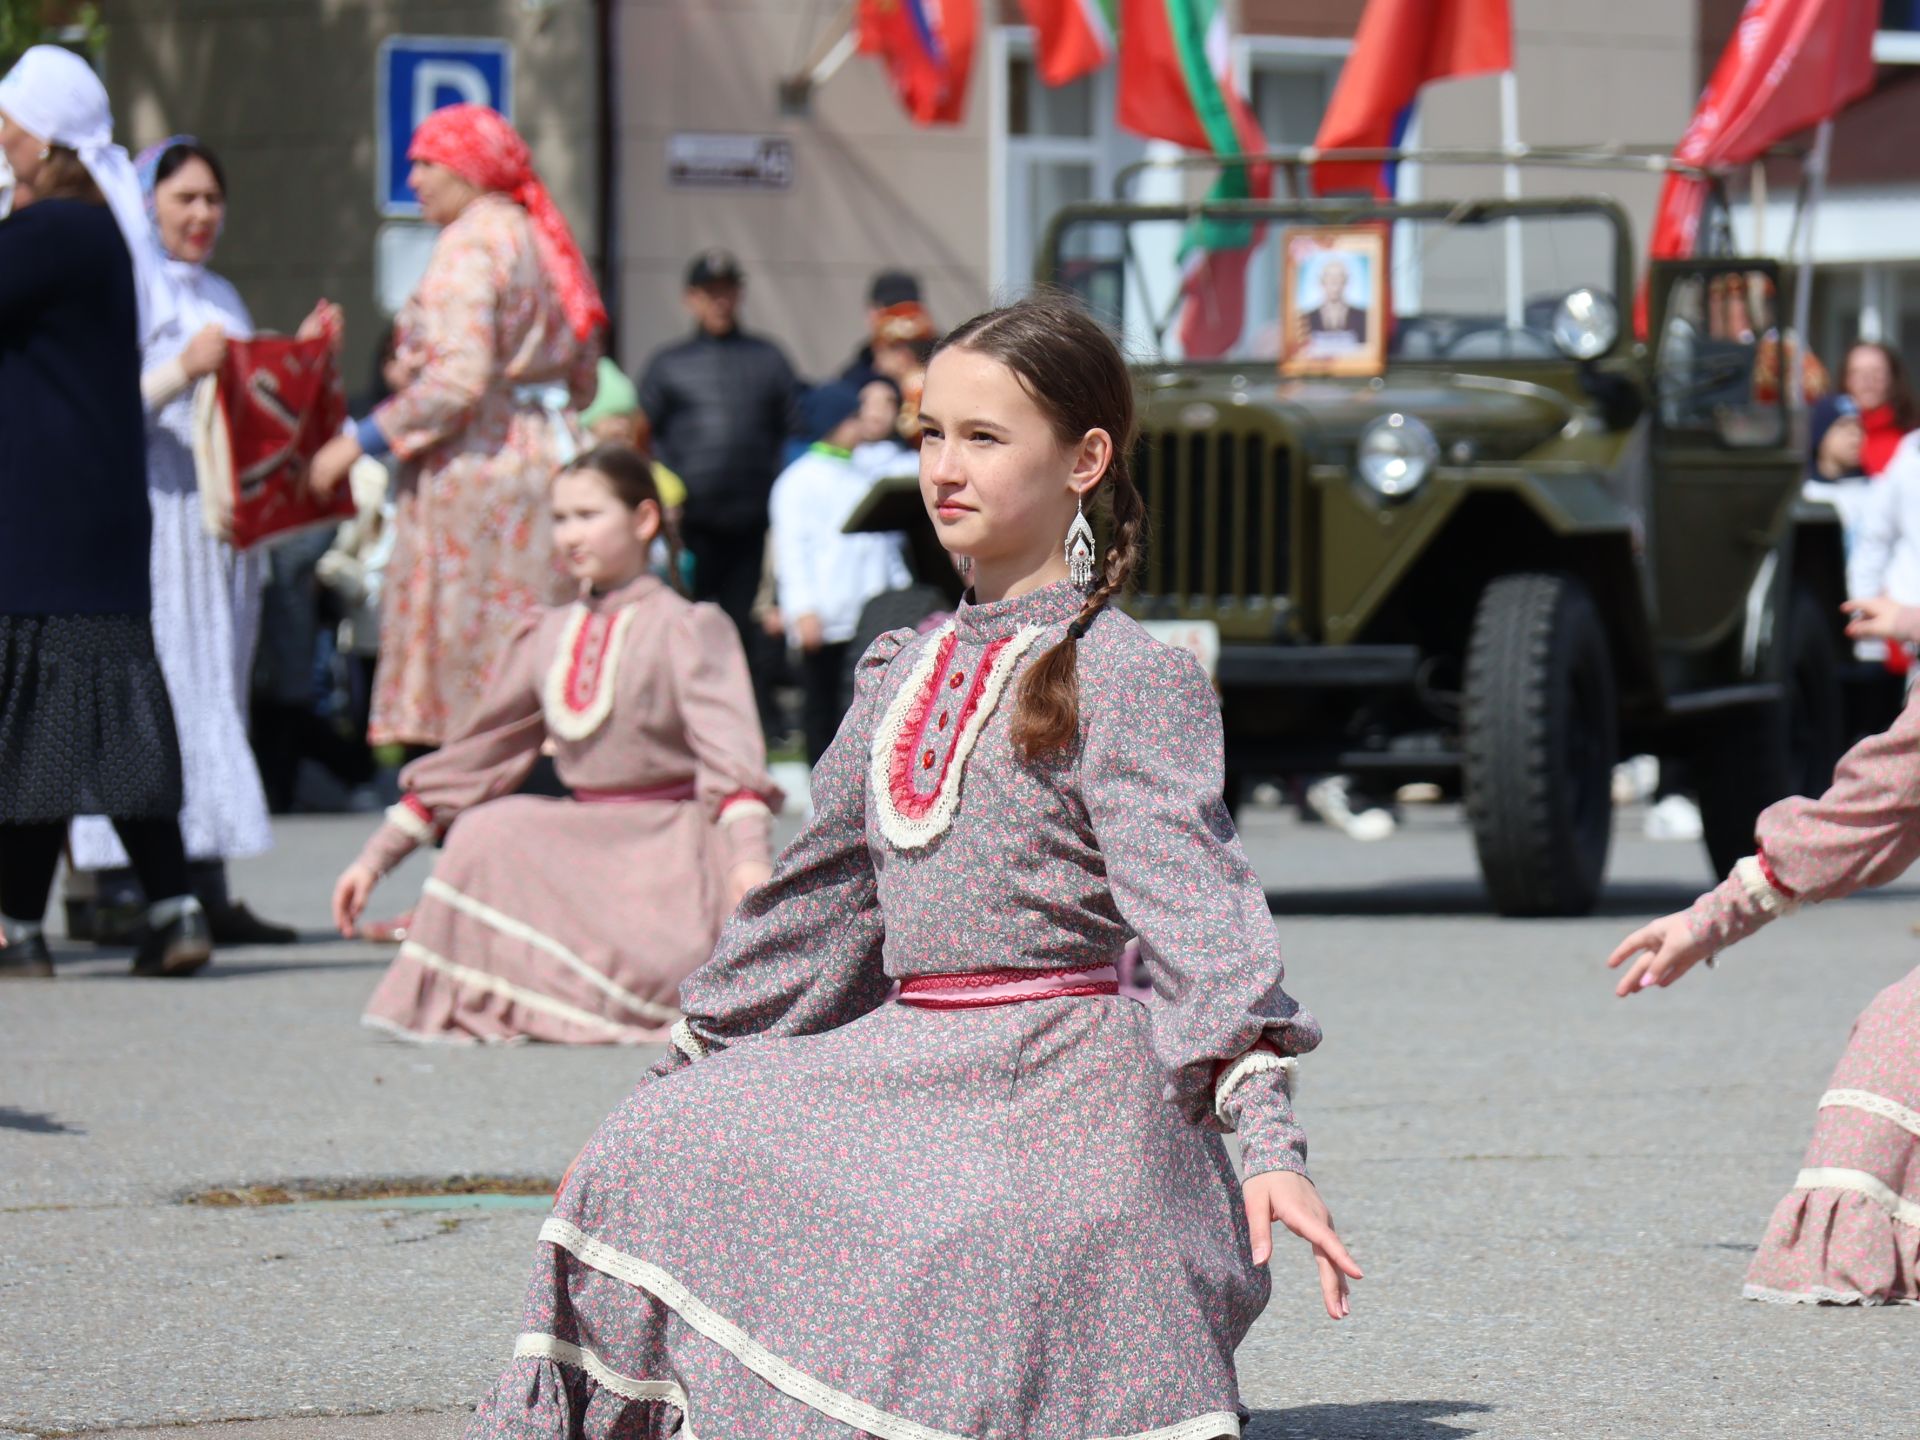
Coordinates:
[1667,950]
[1291,1199]
[1882,619]
[350,894]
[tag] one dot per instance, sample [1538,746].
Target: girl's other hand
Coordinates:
[748,875]
[1291,1199]
[350,894]
[205,352]
[1667,950]
[1882,619]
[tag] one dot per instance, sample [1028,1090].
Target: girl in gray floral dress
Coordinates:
[994,1201]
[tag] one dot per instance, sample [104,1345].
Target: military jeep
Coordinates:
[1521,545]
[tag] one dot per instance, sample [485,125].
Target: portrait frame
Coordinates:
[1319,336]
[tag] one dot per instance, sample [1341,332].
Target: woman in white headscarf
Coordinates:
[206,594]
[85,722]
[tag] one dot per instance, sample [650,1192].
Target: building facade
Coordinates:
[664,126]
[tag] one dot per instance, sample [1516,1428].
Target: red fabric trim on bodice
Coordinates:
[587,663]
[907,751]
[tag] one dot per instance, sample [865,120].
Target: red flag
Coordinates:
[1790,65]
[1400,46]
[927,47]
[1075,37]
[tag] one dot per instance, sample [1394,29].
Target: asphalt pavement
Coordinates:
[1554,1194]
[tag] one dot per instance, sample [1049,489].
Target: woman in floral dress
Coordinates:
[499,344]
[1848,1232]
[1000,1202]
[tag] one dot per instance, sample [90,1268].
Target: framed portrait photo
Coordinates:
[1333,298]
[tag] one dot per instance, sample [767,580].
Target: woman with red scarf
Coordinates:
[1876,381]
[498,347]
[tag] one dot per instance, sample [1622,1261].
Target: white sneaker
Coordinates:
[1635,780]
[1674,818]
[1328,799]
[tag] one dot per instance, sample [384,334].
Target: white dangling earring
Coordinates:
[964,564]
[1080,547]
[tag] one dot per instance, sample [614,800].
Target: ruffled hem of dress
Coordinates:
[858,1415]
[1838,1245]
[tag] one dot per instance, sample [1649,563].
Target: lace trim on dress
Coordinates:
[1859,1182]
[1880,1105]
[534,1346]
[1816,1295]
[578,694]
[788,1379]
[1260,1060]
[515,929]
[910,820]
[1773,902]
[488,984]
[411,818]
[686,1042]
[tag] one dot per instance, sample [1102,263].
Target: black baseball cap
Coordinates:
[714,267]
[893,287]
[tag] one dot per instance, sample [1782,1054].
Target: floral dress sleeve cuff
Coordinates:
[746,829]
[1254,1096]
[1749,898]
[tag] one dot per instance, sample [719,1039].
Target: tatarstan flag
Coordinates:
[1076,36]
[1176,84]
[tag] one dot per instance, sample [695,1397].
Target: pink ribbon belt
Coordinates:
[680,790]
[975,990]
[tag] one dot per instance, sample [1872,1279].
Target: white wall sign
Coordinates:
[706,160]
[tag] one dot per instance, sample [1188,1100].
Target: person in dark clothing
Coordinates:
[718,407]
[889,288]
[86,726]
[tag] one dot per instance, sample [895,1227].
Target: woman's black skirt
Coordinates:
[85,724]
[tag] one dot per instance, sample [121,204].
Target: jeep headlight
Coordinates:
[1585,325]
[1397,453]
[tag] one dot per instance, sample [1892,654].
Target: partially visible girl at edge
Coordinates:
[1848,1233]
[1000,1202]
[576,920]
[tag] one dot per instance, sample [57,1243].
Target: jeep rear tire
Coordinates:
[1540,739]
[1743,765]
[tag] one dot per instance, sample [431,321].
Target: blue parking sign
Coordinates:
[418,75]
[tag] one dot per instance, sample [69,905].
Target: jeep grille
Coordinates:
[1218,519]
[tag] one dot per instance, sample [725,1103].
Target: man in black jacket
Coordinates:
[719,405]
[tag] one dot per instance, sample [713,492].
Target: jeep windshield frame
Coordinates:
[1273,216]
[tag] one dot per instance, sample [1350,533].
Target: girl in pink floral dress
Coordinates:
[1848,1232]
[644,698]
[500,344]
[994,1200]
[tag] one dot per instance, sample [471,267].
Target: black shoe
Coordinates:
[180,946]
[235,924]
[28,959]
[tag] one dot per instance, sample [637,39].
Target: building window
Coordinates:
[1058,146]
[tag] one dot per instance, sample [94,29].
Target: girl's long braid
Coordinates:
[1049,712]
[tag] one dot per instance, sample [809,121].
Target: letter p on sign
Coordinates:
[420,74]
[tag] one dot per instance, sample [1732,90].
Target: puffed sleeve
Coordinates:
[1863,832]
[457,305]
[715,697]
[1151,776]
[802,953]
[487,757]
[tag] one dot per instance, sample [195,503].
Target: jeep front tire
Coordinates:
[1540,740]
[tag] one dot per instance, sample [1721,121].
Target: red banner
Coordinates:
[1790,65]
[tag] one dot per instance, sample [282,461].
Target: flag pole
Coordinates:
[1803,291]
[1510,142]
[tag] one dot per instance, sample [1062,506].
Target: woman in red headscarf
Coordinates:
[498,345]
